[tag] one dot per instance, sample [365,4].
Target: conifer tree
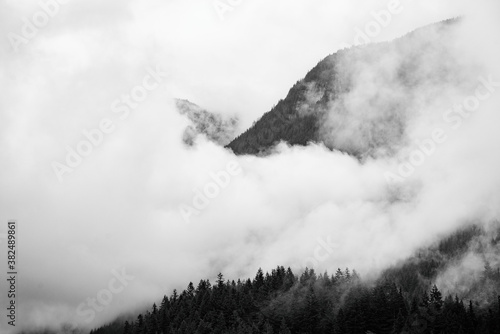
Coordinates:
[436,298]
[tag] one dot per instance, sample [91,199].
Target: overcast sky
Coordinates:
[118,208]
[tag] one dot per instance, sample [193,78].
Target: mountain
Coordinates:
[452,263]
[404,299]
[215,127]
[360,100]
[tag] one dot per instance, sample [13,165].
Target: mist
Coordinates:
[117,219]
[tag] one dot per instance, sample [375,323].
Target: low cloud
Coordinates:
[119,208]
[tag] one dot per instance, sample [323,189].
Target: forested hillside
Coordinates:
[404,299]
[318,108]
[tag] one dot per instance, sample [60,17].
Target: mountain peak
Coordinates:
[341,102]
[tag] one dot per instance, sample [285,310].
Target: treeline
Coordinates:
[281,302]
[402,300]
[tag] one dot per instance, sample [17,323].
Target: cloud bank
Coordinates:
[118,211]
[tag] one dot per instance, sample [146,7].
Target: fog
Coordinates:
[131,206]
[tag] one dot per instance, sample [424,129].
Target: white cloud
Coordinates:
[120,207]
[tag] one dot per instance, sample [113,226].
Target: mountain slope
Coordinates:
[215,127]
[359,100]
[403,300]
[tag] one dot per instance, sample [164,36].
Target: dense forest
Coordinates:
[402,300]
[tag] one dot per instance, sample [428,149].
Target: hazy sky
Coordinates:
[118,209]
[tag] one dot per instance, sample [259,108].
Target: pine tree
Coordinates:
[174,296]
[190,289]
[436,298]
[289,279]
[471,315]
[154,325]
[139,325]
[164,319]
[310,313]
[259,279]
[127,329]
[347,275]
[220,281]
[339,276]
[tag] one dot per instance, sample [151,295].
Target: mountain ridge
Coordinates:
[299,118]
